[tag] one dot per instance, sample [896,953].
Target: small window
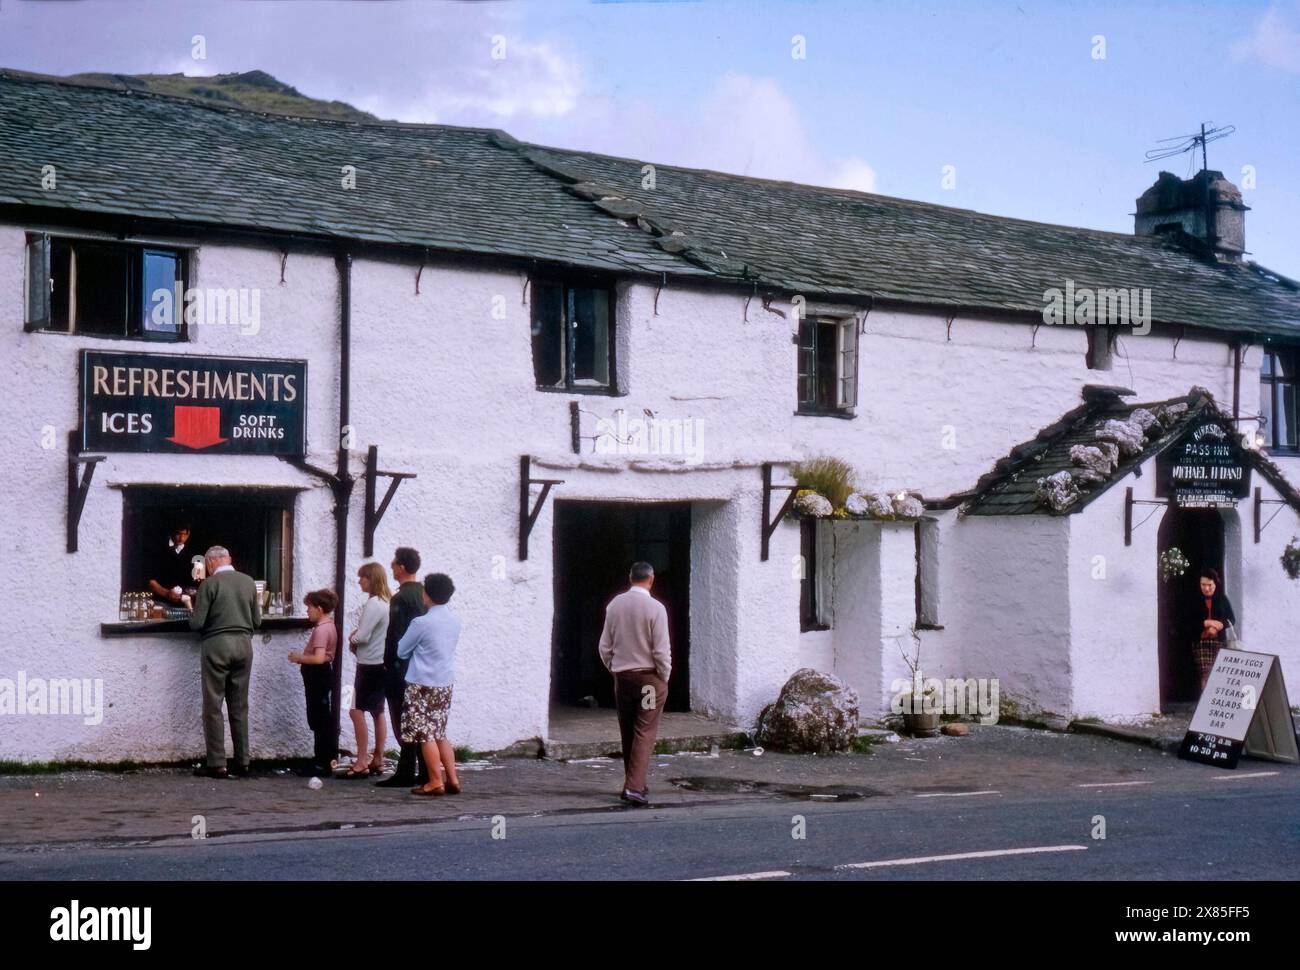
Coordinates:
[255,524]
[1278,383]
[927,575]
[828,366]
[104,289]
[817,550]
[573,336]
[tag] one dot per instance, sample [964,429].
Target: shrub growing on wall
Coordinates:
[829,477]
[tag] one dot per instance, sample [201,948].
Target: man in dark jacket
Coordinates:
[226,612]
[407,603]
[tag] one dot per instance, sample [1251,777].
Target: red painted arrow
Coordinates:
[197,427]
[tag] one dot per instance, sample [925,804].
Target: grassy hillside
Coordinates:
[252,89]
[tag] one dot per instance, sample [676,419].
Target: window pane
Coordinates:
[807,364]
[548,334]
[848,364]
[1266,365]
[159,313]
[61,274]
[1266,409]
[827,351]
[1286,416]
[1284,366]
[591,341]
[102,289]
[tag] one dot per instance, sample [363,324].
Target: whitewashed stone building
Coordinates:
[657,343]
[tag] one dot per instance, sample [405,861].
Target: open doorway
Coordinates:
[595,544]
[1199,533]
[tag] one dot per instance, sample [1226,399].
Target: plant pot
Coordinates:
[922,725]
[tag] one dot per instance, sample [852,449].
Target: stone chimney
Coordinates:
[1206,206]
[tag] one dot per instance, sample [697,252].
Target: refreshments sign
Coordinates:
[1244,708]
[186,403]
[1204,469]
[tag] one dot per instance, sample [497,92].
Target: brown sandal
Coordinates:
[429,792]
[452,788]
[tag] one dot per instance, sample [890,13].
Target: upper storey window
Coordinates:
[828,366]
[573,336]
[104,289]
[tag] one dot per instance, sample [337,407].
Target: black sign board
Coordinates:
[1205,468]
[187,403]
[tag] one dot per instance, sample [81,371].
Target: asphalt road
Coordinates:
[1243,826]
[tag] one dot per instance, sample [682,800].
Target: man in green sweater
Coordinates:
[226,612]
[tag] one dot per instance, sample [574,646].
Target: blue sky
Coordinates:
[1012,95]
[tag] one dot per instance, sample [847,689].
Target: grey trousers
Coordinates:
[227,665]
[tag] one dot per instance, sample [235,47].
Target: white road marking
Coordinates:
[743,877]
[1249,774]
[963,855]
[956,794]
[1112,784]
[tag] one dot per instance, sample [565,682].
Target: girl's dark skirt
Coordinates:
[424,713]
[368,690]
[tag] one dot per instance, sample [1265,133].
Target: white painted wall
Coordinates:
[443,385]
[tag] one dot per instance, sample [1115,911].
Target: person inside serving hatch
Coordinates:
[173,569]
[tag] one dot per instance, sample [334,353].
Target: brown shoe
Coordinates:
[203,771]
[452,788]
[429,792]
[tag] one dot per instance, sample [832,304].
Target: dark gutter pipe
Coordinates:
[1236,379]
[343,480]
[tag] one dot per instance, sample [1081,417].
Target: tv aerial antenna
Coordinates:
[1179,144]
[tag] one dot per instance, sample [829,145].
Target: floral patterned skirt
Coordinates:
[424,713]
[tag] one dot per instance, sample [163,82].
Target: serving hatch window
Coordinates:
[255,524]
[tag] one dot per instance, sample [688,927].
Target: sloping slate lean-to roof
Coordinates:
[1009,489]
[477,191]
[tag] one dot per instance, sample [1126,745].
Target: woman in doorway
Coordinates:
[367,642]
[1214,613]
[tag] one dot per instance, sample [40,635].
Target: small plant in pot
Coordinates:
[922,705]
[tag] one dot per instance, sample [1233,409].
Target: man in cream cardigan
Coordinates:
[634,648]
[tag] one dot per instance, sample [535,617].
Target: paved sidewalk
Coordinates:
[44,812]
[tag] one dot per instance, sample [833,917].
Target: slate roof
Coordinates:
[476,191]
[1009,488]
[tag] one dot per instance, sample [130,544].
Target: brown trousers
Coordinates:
[638,722]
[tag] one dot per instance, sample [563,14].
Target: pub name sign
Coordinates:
[192,404]
[1206,468]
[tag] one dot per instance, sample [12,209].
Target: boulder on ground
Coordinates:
[815,713]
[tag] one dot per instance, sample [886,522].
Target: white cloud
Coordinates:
[744,125]
[1274,42]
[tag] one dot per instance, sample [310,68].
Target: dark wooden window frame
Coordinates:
[568,282]
[814,323]
[136,251]
[1270,383]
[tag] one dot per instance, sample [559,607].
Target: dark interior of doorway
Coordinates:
[595,544]
[1199,534]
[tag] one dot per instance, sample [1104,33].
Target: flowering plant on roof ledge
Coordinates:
[1291,558]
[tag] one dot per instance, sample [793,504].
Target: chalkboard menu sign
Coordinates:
[1205,468]
[187,403]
